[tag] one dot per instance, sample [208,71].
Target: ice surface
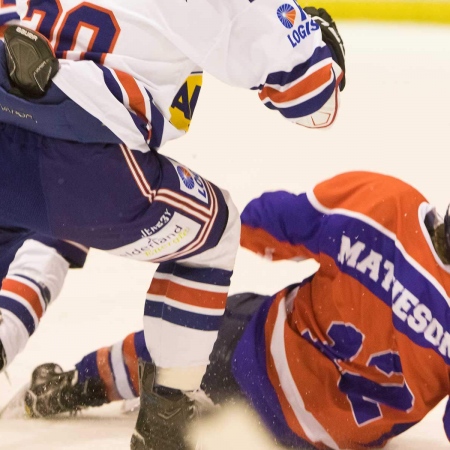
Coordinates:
[394,119]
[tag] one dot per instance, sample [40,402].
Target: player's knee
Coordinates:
[230,237]
[42,264]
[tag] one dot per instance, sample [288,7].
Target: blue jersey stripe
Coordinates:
[87,367]
[410,278]
[166,267]
[111,83]
[20,311]
[4,18]
[304,108]
[283,78]
[140,124]
[181,317]
[157,124]
[141,347]
[217,277]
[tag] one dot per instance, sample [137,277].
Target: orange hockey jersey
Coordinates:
[360,351]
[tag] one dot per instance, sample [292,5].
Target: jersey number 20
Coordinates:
[87,28]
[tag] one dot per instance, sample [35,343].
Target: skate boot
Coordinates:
[53,391]
[164,415]
[2,357]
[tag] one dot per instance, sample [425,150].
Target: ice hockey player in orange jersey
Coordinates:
[345,359]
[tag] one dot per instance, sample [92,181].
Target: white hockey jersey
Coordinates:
[149,56]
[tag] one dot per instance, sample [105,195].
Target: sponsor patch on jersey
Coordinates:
[172,237]
[163,220]
[184,102]
[286,14]
[186,177]
[191,183]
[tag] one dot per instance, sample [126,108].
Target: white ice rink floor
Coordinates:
[394,119]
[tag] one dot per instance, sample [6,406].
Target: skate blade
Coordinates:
[15,408]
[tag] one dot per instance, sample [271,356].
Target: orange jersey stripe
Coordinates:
[105,372]
[309,84]
[135,97]
[263,243]
[196,297]
[27,293]
[131,360]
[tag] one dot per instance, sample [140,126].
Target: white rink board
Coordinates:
[394,119]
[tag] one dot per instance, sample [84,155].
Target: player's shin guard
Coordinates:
[164,414]
[53,391]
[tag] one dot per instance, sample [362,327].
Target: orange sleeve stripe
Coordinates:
[309,84]
[187,295]
[24,291]
[131,360]
[263,243]
[105,372]
[135,97]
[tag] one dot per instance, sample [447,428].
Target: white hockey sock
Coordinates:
[35,277]
[13,335]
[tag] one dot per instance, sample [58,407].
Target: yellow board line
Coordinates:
[409,11]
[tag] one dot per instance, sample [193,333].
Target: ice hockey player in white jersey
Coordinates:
[149,56]
[127,81]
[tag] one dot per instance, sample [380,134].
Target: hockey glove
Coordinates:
[330,36]
[30,60]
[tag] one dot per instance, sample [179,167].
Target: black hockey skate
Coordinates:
[53,391]
[163,416]
[2,356]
